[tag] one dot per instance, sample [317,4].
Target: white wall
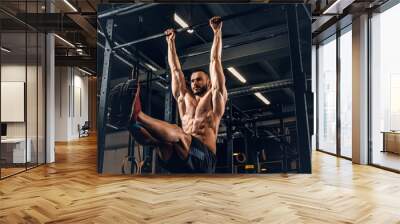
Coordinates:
[71,102]
[12,73]
[61,103]
[80,102]
[16,73]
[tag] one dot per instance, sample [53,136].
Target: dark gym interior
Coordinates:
[256,44]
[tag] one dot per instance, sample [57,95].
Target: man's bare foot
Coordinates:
[136,105]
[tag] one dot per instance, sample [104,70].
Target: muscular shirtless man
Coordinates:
[192,147]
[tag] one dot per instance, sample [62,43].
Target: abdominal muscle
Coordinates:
[202,127]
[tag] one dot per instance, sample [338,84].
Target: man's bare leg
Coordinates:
[167,133]
[143,137]
[160,132]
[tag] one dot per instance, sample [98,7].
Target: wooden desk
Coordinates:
[13,150]
[391,142]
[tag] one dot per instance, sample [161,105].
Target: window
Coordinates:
[385,87]
[314,90]
[394,102]
[327,96]
[346,93]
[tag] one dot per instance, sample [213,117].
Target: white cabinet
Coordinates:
[17,148]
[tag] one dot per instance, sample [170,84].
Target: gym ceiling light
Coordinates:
[262,98]
[237,74]
[151,67]
[182,23]
[5,50]
[129,53]
[70,5]
[64,40]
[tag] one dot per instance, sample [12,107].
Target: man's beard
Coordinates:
[201,91]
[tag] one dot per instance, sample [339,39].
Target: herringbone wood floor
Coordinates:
[70,191]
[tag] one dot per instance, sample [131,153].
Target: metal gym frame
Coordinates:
[298,83]
[300,89]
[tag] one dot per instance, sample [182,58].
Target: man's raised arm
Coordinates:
[178,80]
[216,71]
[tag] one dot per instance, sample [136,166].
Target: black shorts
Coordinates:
[200,160]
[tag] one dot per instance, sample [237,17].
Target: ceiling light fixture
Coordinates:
[182,23]
[262,98]
[129,53]
[237,74]
[84,71]
[64,40]
[5,50]
[151,67]
[70,5]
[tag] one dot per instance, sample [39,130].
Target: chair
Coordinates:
[84,130]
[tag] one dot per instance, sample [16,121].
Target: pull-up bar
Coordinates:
[193,27]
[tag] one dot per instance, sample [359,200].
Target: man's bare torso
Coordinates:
[201,109]
[198,118]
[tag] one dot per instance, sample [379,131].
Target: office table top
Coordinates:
[13,140]
[391,132]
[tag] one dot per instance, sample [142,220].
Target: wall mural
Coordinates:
[204,88]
